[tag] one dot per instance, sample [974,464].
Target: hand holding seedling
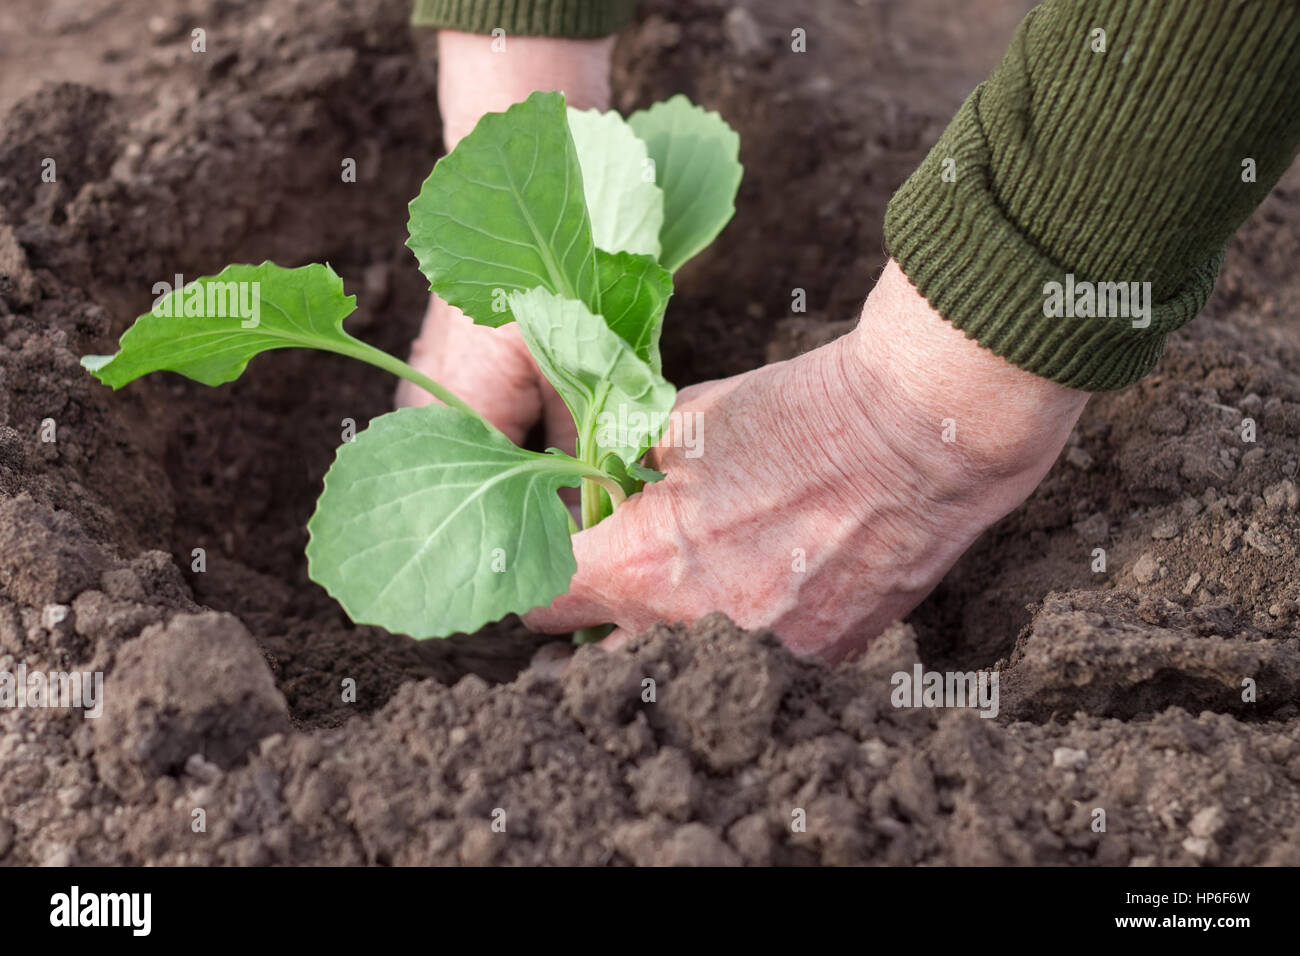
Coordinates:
[567,223]
[825,538]
[826,503]
[818,497]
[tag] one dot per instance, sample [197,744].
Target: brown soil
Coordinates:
[1121,690]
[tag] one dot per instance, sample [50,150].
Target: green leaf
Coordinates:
[631,477]
[696,160]
[625,205]
[211,328]
[614,467]
[619,403]
[431,523]
[504,211]
[634,291]
[644,473]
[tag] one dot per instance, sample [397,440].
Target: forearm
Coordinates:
[1123,166]
[999,425]
[493,53]
[473,79]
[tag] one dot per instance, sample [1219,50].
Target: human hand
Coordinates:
[491,370]
[823,500]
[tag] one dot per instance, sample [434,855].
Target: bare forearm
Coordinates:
[480,74]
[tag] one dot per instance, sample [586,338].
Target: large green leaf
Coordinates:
[697,166]
[198,332]
[505,211]
[625,204]
[432,523]
[617,400]
[634,291]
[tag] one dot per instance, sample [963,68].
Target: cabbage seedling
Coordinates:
[569,223]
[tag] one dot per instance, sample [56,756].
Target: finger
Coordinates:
[703,395]
[568,612]
[552,659]
[617,639]
[561,433]
[685,428]
[561,430]
[490,369]
[587,603]
[695,394]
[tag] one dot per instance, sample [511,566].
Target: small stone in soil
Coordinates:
[1069,758]
[1147,568]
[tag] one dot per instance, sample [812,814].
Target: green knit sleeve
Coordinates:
[1075,211]
[549,18]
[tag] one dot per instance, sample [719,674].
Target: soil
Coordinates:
[1121,691]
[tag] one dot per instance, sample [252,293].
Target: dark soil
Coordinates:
[1122,691]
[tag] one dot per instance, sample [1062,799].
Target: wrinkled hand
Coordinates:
[822,500]
[819,498]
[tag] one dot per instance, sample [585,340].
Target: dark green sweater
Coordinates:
[552,18]
[1075,210]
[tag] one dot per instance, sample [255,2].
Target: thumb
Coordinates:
[589,600]
[617,639]
[561,433]
[561,430]
[490,369]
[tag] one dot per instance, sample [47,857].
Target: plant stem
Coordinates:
[381,359]
[591,485]
[591,635]
[593,481]
[590,502]
[590,515]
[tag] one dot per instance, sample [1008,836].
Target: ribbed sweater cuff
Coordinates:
[549,18]
[1087,166]
[986,276]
